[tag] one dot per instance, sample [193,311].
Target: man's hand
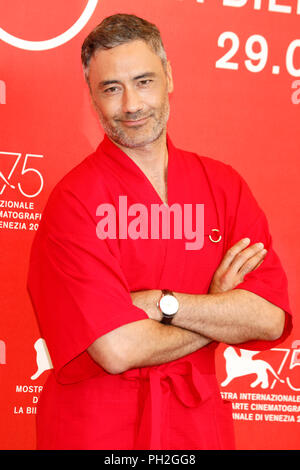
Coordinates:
[229,316]
[239,260]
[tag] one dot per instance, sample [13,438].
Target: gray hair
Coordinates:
[120,29]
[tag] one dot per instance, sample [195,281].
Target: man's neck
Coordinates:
[152,159]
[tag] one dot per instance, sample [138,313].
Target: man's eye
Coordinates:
[145,82]
[111,90]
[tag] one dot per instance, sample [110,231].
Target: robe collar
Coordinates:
[120,157]
[129,169]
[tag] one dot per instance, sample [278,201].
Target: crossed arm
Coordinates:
[224,315]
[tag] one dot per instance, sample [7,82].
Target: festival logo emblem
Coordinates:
[28,169]
[2,352]
[54,42]
[243,363]
[2,92]
[43,360]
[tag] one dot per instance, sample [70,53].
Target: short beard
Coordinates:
[120,137]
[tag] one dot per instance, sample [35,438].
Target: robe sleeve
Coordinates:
[77,287]
[269,279]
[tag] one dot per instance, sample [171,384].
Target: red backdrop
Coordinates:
[236,66]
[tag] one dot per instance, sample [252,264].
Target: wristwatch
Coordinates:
[168,305]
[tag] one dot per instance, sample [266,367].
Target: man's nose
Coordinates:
[131,101]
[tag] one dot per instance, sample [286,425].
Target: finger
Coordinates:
[243,257]
[258,265]
[253,263]
[232,252]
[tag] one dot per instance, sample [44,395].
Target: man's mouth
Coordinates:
[135,122]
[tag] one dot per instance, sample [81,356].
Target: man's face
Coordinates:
[129,87]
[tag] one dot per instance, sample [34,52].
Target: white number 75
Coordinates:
[32,170]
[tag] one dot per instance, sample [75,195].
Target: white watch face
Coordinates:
[169,304]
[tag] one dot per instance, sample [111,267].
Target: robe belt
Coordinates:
[188,385]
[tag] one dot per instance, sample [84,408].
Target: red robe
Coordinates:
[80,287]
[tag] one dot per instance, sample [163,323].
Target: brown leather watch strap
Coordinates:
[166,320]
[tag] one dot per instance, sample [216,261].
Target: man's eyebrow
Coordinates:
[145,75]
[107,82]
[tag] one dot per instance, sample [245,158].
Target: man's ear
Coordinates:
[169,77]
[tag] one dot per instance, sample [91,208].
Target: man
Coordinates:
[132,323]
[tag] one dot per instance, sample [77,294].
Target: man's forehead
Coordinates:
[135,57]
